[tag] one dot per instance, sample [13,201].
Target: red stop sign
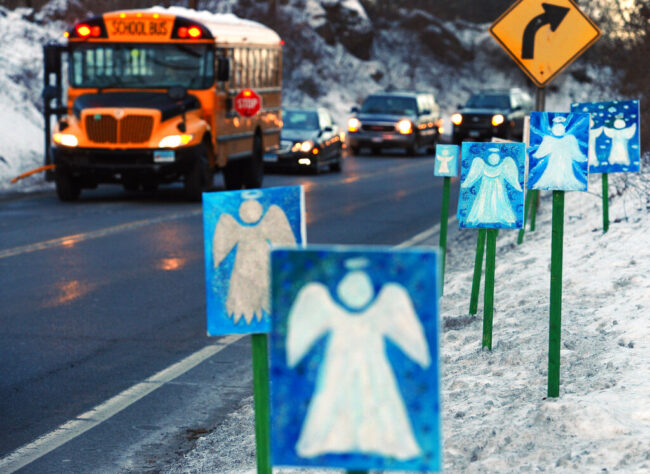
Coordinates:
[248,103]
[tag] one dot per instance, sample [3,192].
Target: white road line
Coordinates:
[73,239]
[73,428]
[86,421]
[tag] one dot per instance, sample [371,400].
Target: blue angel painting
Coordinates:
[446,163]
[491,185]
[614,144]
[355,381]
[558,151]
[239,228]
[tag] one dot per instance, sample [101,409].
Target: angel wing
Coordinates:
[226,235]
[400,323]
[628,132]
[511,172]
[574,148]
[309,318]
[275,227]
[545,148]
[475,172]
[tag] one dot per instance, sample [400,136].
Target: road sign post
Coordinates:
[543,39]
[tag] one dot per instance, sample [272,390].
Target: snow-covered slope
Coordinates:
[334,56]
[496,417]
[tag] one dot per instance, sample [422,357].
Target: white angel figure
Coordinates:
[562,150]
[594,133]
[356,406]
[248,288]
[444,158]
[620,135]
[491,204]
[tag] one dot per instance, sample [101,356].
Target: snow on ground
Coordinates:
[495,414]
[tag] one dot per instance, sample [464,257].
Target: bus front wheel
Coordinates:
[199,177]
[67,187]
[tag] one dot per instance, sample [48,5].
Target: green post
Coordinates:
[555,322]
[488,296]
[533,208]
[262,404]
[605,205]
[478,268]
[444,221]
[522,231]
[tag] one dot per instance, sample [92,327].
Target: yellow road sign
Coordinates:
[544,37]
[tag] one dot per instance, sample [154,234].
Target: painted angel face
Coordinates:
[250,211]
[355,290]
[619,123]
[493,159]
[558,129]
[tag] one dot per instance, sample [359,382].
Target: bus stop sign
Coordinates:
[543,38]
[248,103]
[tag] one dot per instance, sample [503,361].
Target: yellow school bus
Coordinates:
[151,100]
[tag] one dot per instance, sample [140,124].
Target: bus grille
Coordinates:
[130,129]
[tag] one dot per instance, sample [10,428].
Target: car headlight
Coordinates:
[174,141]
[497,119]
[65,139]
[354,124]
[405,127]
[457,119]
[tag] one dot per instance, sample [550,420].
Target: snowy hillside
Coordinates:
[334,56]
[496,417]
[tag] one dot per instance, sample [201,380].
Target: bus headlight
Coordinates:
[405,127]
[354,124]
[497,120]
[65,139]
[174,141]
[457,119]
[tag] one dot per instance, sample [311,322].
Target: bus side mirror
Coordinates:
[52,57]
[223,69]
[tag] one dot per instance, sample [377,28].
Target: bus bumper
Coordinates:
[94,166]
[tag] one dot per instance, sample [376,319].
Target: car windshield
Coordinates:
[140,66]
[389,105]
[489,101]
[300,120]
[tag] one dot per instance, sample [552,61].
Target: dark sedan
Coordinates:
[309,140]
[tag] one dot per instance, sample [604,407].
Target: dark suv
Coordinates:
[406,120]
[492,113]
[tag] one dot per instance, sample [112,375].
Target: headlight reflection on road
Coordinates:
[171,264]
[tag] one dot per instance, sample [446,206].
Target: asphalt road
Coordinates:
[100,294]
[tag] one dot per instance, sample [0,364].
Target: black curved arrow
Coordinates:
[553,16]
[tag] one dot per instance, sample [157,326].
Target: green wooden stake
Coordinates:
[478,268]
[357,472]
[533,208]
[555,323]
[605,205]
[259,343]
[522,231]
[488,296]
[444,221]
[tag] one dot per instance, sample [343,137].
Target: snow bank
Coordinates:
[495,414]
[21,79]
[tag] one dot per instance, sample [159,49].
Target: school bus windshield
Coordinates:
[142,66]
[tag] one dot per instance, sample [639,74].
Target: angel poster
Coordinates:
[354,358]
[446,163]
[239,229]
[558,151]
[492,185]
[614,128]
